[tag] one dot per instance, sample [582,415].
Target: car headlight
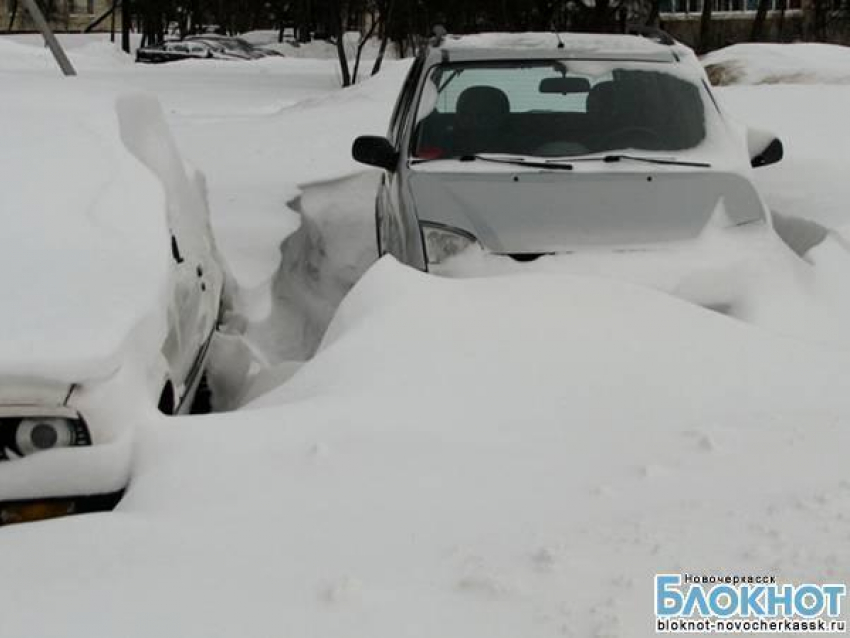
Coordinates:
[37,435]
[30,435]
[442,242]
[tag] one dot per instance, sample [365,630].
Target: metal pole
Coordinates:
[49,39]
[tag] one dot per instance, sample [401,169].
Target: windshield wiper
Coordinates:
[618,157]
[552,165]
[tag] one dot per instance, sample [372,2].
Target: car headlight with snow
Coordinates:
[26,436]
[442,242]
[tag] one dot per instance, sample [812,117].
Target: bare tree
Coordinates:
[337,13]
[364,40]
[705,43]
[13,13]
[126,20]
[757,30]
[386,9]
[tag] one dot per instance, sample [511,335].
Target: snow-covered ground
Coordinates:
[513,455]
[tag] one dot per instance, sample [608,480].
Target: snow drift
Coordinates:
[452,464]
[799,63]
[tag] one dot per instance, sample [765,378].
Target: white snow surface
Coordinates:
[511,453]
[811,181]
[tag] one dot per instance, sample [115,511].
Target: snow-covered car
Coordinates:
[233,45]
[188,50]
[539,144]
[112,287]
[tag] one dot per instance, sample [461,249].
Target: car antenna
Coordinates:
[561,44]
[440,34]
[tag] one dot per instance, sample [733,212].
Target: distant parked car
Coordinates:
[532,145]
[112,285]
[233,45]
[194,50]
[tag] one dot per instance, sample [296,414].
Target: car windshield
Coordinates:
[555,109]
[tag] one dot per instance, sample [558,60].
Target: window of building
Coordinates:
[726,6]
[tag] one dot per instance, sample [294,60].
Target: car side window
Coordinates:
[404,102]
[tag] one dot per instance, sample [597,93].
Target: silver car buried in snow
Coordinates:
[529,145]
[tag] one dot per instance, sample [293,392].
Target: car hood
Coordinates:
[33,392]
[84,248]
[544,212]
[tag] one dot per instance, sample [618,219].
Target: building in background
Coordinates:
[732,20]
[62,15]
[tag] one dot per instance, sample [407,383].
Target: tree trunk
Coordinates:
[343,61]
[12,15]
[652,19]
[337,13]
[103,16]
[757,32]
[126,18]
[115,5]
[364,40]
[386,21]
[705,27]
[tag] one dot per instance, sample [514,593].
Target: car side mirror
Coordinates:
[375,151]
[764,148]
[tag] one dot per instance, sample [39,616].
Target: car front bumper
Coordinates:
[64,481]
[44,509]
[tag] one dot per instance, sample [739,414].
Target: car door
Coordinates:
[196,274]
[199,280]
[398,229]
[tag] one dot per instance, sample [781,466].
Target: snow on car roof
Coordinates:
[83,251]
[605,46]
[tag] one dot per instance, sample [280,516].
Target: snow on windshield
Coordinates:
[553,109]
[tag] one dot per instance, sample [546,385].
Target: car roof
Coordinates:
[546,46]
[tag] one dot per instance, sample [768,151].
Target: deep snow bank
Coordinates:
[810,181]
[28,53]
[799,63]
[513,456]
[256,165]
